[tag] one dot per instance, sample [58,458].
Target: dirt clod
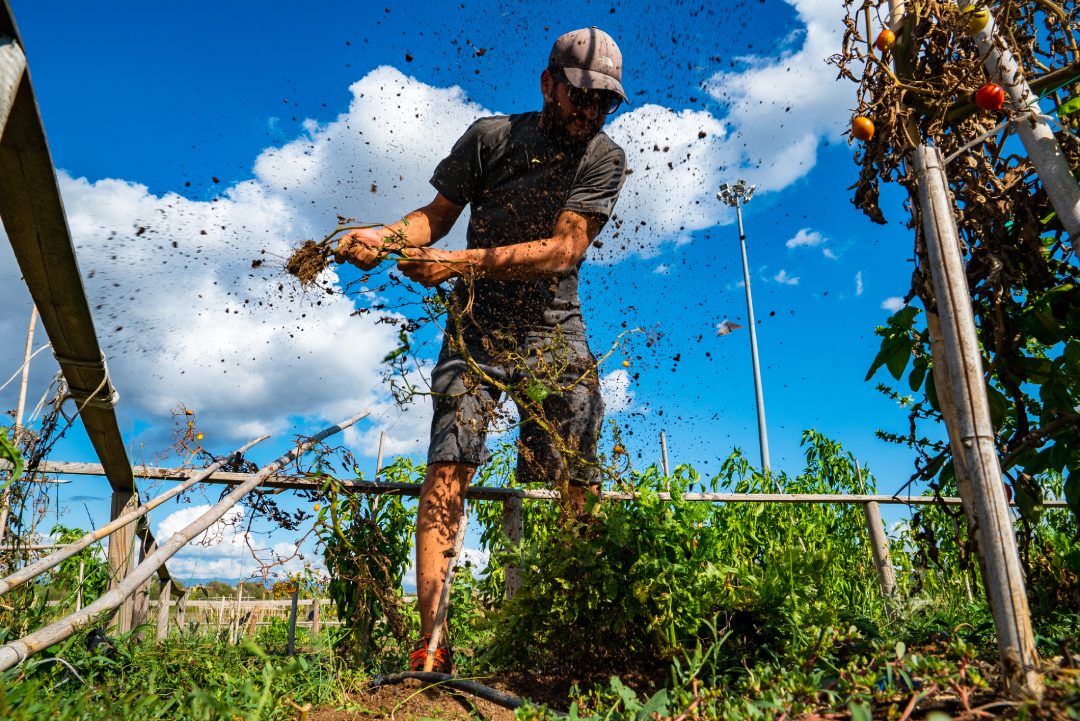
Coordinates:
[308,261]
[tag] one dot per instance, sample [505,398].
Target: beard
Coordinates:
[574,128]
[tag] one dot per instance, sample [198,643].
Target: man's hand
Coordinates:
[429,267]
[365,248]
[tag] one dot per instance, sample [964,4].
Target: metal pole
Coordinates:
[763,436]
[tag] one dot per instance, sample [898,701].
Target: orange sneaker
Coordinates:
[443,662]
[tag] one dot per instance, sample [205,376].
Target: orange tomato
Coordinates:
[885,40]
[862,128]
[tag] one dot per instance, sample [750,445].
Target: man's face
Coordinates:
[574,113]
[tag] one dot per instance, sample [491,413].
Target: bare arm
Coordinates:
[368,247]
[570,239]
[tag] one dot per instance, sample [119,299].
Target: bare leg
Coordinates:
[581,496]
[442,503]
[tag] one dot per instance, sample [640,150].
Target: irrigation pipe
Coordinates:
[444,679]
[17,651]
[55,559]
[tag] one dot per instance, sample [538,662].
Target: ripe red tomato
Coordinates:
[862,128]
[990,97]
[885,40]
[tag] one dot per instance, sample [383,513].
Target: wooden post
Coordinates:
[234,627]
[879,545]
[181,613]
[164,601]
[316,621]
[292,621]
[971,433]
[513,527]
[221,615]
[663,454]
[121,553]
[140,609]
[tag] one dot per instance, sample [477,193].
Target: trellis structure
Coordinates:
[921,102]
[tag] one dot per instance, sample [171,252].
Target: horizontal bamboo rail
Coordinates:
[484,493]
[55,559]
[17,651]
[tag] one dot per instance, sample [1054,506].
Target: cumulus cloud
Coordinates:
[779,109]
[226,550]
[662,269]
[615,389]
[784,279]
[805,237]
[185,318]
[893,303]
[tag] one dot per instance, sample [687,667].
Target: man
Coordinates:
[541,186]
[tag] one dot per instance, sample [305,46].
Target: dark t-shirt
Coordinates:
[518,180]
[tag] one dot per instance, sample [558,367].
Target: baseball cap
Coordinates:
[590,59]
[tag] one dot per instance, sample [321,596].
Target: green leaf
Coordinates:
[904,318]
[999,405]
[1069,107]
[859,712]
[658,704]
[537,391]
[9,452]
[1029,497]
[1072,493]
[918,374]
[898,357]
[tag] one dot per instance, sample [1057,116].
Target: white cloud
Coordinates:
[858,283]
[805,237]
[780,108]
[662,269]
[893,303]
[615,389]
[224,550]
[784,279]
[195,323]
[829,253]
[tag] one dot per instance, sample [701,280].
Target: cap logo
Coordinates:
[607,62]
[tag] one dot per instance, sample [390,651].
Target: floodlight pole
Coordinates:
[737,195]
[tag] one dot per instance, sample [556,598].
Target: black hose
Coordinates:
[444,679]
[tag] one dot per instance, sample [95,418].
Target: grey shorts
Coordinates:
[554,383]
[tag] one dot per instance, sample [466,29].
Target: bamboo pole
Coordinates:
[234,628]
[291,650]
[1033,130]
[444,595]
[164,599]
[879,546]
[4,508]
[971,432]
[316,620]
[51,561]
[663,455]
[79,590]
[513,527]
[378,458]
[16,651]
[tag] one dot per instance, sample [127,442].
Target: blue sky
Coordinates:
[230,129]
